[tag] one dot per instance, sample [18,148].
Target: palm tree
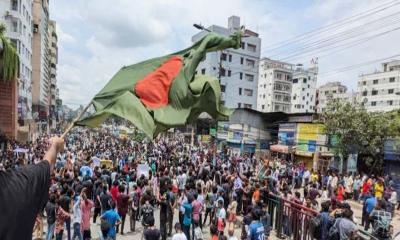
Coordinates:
[9,60]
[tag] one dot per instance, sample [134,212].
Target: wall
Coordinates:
[8,108]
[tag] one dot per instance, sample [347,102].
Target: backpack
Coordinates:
[334,231]
[315,227]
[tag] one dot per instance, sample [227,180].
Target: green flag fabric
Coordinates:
[164,92]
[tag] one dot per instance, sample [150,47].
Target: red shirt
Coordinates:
[114,193]
[365,187]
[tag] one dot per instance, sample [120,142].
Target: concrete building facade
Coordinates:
[53,59]
[41,63]
[274,86]
[17,16]
[333,91]
[379,91]
[304,89]
[237,69]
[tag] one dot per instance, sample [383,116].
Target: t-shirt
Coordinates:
[122,203]
[346,228]
[112,217]
[256,231]
[105,200]
[187,217]
[23,194]
[65,202]
[152,234]
[179,236]
[370,204]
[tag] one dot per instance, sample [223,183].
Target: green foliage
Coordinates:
[359,131]
[9,60]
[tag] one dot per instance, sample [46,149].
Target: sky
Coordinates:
[98,37]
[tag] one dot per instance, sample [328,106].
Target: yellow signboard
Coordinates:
[309,131]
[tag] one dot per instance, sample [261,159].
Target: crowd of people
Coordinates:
[98,184]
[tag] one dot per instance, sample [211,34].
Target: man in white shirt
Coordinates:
[179,235]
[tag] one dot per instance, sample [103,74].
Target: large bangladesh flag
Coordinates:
[164,92]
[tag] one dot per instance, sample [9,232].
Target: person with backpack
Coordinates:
[147,212]
[381,220]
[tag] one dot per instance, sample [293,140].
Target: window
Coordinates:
[14,5]
[246,105]
[375,81]
[241,76]
[374,92]
[251,47]
[223,57]
[203,71]
[294,97]
[249,77]
[277,108]
[250,62]
[239,105]
[334,91]
[390,102]
[288,78]
[223,72]
[15,26]
[308,94]
[373,103]
[391,79]
[364,83]
[365,93]
[223,102]
[240,91]
[279,76]
[304,80]
[230,58]
[278,97]
[391,91]
[241,60]
[265,85]
[229,73]
[242,45]
[295,80]
[248,92]
[286,98]
[223,88]
[264,96]
[304,98]
[262,106]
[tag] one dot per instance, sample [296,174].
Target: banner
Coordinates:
[143,169]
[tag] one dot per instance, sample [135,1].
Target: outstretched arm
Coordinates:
[57,145]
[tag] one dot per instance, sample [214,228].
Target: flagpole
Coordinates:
[76,119]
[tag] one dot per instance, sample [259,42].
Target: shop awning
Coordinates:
[279,148]
[304,154]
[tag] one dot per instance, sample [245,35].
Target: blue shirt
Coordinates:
[187,217]
[112,217]
[370,204]
[256,231]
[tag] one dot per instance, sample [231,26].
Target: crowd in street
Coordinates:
[98,181]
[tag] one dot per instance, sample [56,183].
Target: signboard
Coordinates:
[286,133]
[143,169]
[237,135]
[309,135]
[205,138]
[213,132]
[352,163]
[391,150]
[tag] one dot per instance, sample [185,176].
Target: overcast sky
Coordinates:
[98,37]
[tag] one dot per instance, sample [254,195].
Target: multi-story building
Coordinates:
[53,58]
[41,63]
[274,86]
[17,16]
[237,69]
[304,89]
[380,91]
[333,91]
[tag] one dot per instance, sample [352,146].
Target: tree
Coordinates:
[9,60]
[361,132]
